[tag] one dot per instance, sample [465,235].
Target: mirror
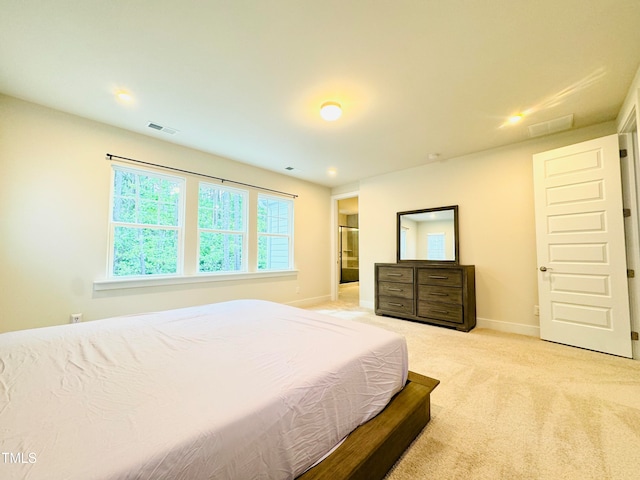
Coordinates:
[428,235]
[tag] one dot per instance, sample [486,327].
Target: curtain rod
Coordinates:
[222,180]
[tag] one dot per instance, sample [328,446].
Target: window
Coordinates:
[146,223]
[222,228]
[435,246]
[403,242]
[275,222]
[166,225]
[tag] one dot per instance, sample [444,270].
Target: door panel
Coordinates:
[582,280]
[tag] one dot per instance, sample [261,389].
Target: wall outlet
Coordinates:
[536,310]
[76,317]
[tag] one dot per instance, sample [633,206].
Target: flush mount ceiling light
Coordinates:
[124,96]
[330,111]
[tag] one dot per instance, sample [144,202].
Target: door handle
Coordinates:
[544,269]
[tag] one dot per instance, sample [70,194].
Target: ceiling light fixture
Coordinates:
[330,111]
[124,96]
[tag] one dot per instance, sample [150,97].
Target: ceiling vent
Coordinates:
[552,126]
[169,130]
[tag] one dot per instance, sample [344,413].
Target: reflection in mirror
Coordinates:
[430,234]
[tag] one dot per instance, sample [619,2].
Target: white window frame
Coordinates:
[114,224]
[243,232]
[288,235]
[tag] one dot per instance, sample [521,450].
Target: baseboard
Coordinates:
[310,302]
[369,305]
[508,327]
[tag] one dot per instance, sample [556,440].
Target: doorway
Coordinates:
[348,250]
[349,256]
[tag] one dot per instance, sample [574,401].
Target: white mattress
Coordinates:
[236,390]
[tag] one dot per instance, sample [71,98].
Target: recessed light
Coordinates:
[516,118]
[332,172]
[330,111]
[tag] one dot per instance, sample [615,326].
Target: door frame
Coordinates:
[630,170]
[335,259]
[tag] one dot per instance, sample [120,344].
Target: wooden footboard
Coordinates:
[372,448]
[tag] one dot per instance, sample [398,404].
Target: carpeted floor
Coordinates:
[515,407]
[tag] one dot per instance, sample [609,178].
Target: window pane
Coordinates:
[273,216]
[220,209]
[124,209]
[145,199]
[148,212]
[273,253]
[435,246]
[144,251]
[220,252]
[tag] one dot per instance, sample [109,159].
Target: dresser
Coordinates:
[439,294]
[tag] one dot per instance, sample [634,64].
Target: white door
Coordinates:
[582,276]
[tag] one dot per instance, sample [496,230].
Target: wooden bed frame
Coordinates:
[371,450]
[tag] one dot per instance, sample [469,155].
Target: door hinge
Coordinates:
[626,212]
[623,153]
[634,336]
[631,273]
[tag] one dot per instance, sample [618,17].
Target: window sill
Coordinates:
[142,282]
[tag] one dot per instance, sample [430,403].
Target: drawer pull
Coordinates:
[438,277]
[444,312]
[394,289]
[438,294]
[396,304]
[394,274]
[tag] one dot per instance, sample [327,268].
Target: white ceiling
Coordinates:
[244,79]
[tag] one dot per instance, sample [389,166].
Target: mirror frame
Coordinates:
[456,250]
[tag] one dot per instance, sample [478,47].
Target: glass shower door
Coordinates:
[349,257]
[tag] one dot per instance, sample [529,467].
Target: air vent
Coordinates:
[552,126]
[169,130]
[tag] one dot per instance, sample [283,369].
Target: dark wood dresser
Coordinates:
[439,294]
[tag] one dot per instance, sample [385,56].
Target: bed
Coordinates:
[239,390]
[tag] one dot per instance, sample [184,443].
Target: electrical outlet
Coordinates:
[76,317]
[536,310]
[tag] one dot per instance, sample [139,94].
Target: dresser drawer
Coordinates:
[438,294]
[440,276]
[449,313]
[395,274]
[395,304]
[395,289]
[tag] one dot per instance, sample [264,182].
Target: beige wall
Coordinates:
[54,197]
[494,191]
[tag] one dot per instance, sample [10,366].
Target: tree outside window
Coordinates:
[222,228]
[146,223]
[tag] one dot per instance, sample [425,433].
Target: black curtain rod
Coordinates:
[222,180]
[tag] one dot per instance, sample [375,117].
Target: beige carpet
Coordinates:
[515,407]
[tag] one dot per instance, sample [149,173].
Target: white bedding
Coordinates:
[236,390]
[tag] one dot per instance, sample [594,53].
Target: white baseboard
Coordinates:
[369,305]
[508,327]
[310,302]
